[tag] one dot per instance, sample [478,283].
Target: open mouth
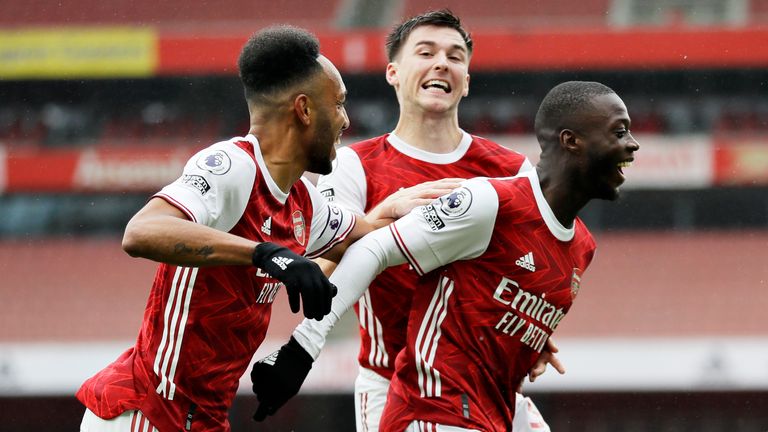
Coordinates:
[438,84]
[624,164]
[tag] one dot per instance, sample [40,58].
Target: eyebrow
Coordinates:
[433,44]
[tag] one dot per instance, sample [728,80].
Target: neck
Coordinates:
[432,133]
[281,152]
[561,191]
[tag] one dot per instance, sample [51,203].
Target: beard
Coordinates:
[320,165]
[319,157]
[601,179]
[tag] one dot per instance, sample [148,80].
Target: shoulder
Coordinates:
[495,147]
[583,234]
[220,157]
[368,145]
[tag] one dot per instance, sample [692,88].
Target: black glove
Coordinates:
[278,377]
[301,277]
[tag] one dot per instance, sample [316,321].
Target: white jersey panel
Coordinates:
[526,166]
[362,262]
[215,186]
[330,224]
[345,186]
[457,226]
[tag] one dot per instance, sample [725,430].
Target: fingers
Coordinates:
[551,347]
[557,364]
[294,299]
[432,188]
[446,181]
[263,410]
[317,299]
[554,360]
[538,369]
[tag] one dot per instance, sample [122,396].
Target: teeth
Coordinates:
[442,84]
[625,164]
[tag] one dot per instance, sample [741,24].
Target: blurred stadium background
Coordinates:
[102,102]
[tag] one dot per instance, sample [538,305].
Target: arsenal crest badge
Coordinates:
[575,282]
[298,227]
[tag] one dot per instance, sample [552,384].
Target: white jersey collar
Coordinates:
[435,158]
[276,192]
[555,227]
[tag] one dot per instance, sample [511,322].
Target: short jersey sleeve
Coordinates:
[331,224]
[456,226]
[345,186]
[215,186]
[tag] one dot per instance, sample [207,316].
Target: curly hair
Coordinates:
[277,58]
[439,18]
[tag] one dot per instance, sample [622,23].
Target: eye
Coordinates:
[622,133]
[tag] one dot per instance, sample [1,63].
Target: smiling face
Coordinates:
[330,118]
[431,71]
[608,146]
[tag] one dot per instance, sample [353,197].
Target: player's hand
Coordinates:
[278,377]
[303,279]
[547,357]
[403,201]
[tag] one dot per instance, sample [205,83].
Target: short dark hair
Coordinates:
[561,106]
[276,58]
[439,18]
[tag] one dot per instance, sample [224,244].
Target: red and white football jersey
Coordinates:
[202,325]
[505,273]
[367,172]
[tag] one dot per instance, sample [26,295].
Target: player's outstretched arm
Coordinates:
[389,210]
[279,376]
[403,201]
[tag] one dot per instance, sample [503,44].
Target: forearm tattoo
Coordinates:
[183,249]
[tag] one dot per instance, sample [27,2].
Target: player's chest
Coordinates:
[285,225]
[387,176]
[523,270]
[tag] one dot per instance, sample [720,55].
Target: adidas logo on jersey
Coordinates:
[266,227]
[282,262]
[526,262]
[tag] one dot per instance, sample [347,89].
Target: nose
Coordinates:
[345,126]
[441,61]
[633,144]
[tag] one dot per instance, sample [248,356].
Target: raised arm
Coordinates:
[389,210]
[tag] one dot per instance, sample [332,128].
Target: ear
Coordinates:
[465,93]
[570,142]
[391,75]
[301,108]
